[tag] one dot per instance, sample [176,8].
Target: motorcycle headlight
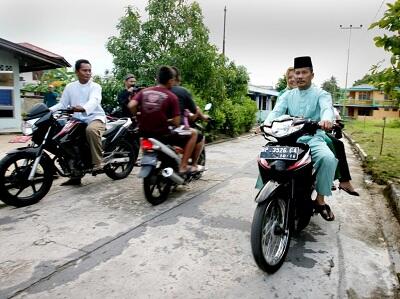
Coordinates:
[28,126]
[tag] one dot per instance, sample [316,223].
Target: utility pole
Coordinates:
[350,27]
[223,42]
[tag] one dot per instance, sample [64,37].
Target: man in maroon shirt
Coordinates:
[159,108]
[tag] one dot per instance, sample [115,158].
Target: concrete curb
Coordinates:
[391,191]
[363,155]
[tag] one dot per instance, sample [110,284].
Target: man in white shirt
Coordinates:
[84,97]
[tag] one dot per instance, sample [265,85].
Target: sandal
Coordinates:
[199,168]
[351,192]
[325,211]
[189,170]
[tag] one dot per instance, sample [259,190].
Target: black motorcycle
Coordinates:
[160,165]
[59,147]
[284,204]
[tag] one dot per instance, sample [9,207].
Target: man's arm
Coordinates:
[94,99]
[64,102]
[176,121]
[134,102]
[132,106]
[326,107]
[174,111]
[279,109]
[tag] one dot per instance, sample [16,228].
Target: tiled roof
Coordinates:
[33,58]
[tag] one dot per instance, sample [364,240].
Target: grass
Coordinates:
[386,167]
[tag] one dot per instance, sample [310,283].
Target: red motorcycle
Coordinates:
[59,146]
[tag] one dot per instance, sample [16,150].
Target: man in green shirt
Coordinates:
[312,102]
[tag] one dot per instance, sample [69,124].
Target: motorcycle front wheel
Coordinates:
[269,240]
[156,187]
[120,170]
[15,189]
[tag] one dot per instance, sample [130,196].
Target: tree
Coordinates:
[282,83]
[366,79]
[174,34]
[332,87]
[388,79]
[59,78]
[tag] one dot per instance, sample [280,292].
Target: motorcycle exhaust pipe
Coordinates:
[170,174]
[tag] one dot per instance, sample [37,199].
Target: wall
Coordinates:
[381,113]
[378,95]
[12,124]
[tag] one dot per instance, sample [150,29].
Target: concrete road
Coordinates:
[104,240]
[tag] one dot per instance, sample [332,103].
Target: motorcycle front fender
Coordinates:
[268,189]
[28,149]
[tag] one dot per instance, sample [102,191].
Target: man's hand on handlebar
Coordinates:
[78,109]
[326,125]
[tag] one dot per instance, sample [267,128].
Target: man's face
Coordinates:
[130,82]
[303,77]
[84,73]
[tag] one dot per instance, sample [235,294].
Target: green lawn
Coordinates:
[369,135]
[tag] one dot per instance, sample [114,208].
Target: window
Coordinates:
[264,103]
[6,97]
[363,95]
[364,112]
[6,91]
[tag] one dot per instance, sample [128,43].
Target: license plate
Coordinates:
[149,159]
[280,153]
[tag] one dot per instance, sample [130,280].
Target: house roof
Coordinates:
[363,87]
[33,58]
[265,90]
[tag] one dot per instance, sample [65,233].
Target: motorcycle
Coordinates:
[284,204]
[160,165]
[59,147]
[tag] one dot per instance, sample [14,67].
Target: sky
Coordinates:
[262,35]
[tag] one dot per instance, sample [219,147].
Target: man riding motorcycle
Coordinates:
[159,108]
[186,103]
[84,97]
[311,102]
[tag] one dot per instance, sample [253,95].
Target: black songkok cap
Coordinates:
[303,61]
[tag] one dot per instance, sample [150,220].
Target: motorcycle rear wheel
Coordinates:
[269,241]
[202,162]
[156,187]
[15,189]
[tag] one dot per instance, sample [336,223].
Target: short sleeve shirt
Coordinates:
[156,105]
[185,99]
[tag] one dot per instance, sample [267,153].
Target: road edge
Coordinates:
[391,191]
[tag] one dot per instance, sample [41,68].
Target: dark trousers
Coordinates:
[341,156]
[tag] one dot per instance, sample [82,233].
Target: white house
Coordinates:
[14,60]
[263,96]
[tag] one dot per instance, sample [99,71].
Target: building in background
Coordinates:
[265,97]
[16,59]
[368,101]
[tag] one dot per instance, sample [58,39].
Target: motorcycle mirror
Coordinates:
[208,107]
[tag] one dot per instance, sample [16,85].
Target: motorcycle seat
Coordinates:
[112,126]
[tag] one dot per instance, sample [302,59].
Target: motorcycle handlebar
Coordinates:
[67,111]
